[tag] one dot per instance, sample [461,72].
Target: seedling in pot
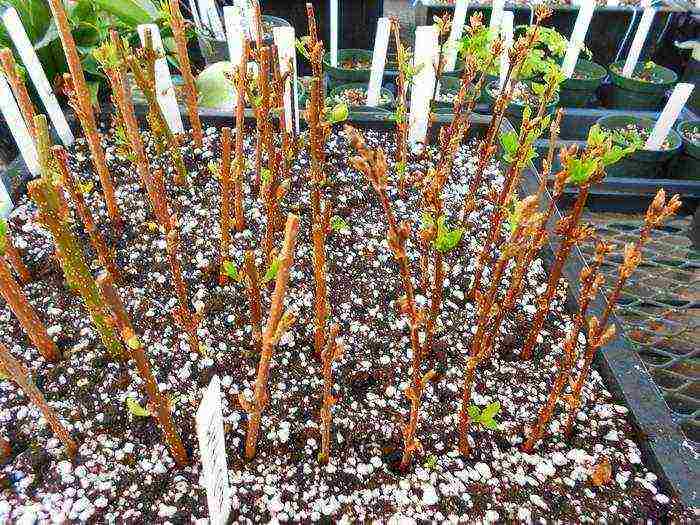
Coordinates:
[485,416]
[70,254]
[372,164]
[158,402]
[277,324]
[599,330]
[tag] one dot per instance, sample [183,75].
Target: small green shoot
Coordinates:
[446,239]
[338,223]
[431,462]
[230,270]
[486,416]
[271,272]
[338,113]
[135,408]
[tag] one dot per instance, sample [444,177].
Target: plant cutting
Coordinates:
[643,90]
[354,96]
[311,431]
[629,131]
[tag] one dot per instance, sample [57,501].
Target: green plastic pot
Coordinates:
[643,163]
[341,75]
[214,50]
[361,108]
[391,70]
[687,165]
[514,111]
[630,93]
[577,92]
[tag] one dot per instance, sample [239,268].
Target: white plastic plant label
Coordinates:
[235,35]
[674,106]
[639,37]
[612,3]
[578,37]
[381,43]
[31,62]
[496,15]
[248,13]
[210,433]
[165,91]
[284,40]
[334,32]
[458,20]
[18,128]
[210,16]
[507,36]
[424,61]
[6,204]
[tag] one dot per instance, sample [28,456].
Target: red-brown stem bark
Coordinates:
[20,375]
[239,162]
[19,90]
[18,303]
[330,354]
[104,254]
[225,212]
[13,256]
[159,402]
[253,286]
[257,405]
[187,320]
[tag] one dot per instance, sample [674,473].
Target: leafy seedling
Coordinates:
[338,223]
[135,408]
[446,239]
[486,416]
[271,272]
[230,270]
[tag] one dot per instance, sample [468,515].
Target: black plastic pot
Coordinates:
[687,165]
[578,92]
[642,163]
[514,111]
[631,93]
[342,75]
[214,50]
[385,94]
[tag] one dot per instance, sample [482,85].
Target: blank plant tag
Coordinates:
[165,92]
[458,20]
[285,42]
[613,3]
[248,13]
[5,201]
[424,61]
[18,128]
[507,36]
[31,62]
[669,115]
[210,433]
[496,15]
[639,37]
[334,32]
[381,43]
[578,37]
[210,15]
[235,35]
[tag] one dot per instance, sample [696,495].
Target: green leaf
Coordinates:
[265,175]
[491,410]
[509,142]
[446,239]
[431,462]
[474,412]
[339,113]
[580,170]
[490,423]
[214,89]
[230,270]
[131,12]
[338,223]
[401,168]
[135,408]
[271,272]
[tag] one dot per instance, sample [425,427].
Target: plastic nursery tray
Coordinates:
[608,32]
[659,435]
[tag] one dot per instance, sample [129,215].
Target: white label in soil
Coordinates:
[284,40]
[235,36]
[507,36]
[15,29]
[669,115]
[18,128]
[639,37]
[460,16]
[496,15]
[165,92]
[210,433]
[210,16]
[613,3]
[381,42]
[578,37]
[248,13]
[424,61]
[334,32]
